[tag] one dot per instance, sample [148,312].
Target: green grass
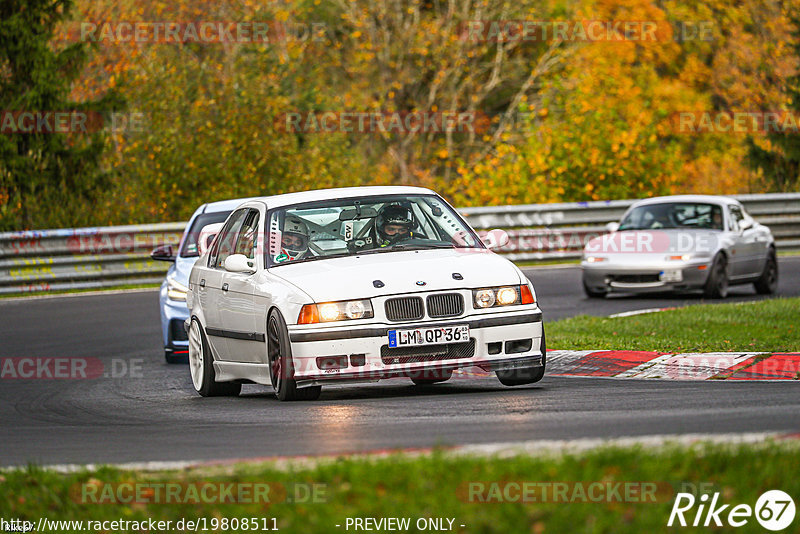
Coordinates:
[769,325]
[435,485]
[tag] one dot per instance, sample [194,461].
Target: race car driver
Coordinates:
[294,240]
[393,224]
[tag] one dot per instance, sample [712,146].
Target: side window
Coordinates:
[226,239]
[736,217]
[248,236]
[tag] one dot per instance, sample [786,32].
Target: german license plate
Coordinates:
[429,336]
[671,275]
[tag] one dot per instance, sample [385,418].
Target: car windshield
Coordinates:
[189,248]
[673,215]
[364,225]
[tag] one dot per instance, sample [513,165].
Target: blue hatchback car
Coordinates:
[172,297]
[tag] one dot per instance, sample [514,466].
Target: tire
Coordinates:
[717,283]
[526,375]
[281,367]
[767,283]
[591,293]
[433,377]
[175,358]
[201,366]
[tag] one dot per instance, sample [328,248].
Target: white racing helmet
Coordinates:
[294,239]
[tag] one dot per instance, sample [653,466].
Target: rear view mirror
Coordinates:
[207,235]
[495,239]
[745,224]
[163,253]
[353,214]
[612,226]
[239,263]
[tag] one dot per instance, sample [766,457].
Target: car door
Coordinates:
[755,239]
[236,305]
[738,248]
[211,282]
[746,238]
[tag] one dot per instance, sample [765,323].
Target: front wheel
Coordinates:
[717,283]
[281,367]
[526,375]
[767,284]
[592,293]
[201,366]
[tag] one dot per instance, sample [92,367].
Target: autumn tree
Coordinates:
[46,179]
[777,156]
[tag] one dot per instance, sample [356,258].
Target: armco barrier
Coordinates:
[50,260]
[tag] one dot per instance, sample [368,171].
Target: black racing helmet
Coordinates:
[393,215]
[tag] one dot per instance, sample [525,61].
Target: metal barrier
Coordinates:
[51,260]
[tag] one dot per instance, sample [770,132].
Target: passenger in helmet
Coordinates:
[393,224]
[294,239]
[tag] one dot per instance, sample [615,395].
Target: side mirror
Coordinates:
[612,226]
[207,235]
[495,239]
[745,224]
[163,253]
[239,263]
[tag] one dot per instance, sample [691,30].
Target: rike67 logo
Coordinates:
[774,510]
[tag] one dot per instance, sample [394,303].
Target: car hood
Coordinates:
[401,272]
[655,243]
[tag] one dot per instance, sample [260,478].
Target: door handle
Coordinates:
[224,287]
[202,282]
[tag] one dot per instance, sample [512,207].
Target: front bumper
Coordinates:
[617,278]
[497,341]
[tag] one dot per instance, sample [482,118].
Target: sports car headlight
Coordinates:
[335,311]
[502,296]
[176,290]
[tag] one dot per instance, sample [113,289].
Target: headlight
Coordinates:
[502,296]
[484,298]
[176,290]
[595,259]
[335,311]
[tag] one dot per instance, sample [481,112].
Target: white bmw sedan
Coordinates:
[354,285]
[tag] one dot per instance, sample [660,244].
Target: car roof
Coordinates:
[706,199]
[225,205]
[288,199]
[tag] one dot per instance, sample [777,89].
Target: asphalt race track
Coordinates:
[142,409]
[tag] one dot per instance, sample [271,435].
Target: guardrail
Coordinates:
[51,260]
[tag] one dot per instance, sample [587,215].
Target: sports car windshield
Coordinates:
[673,215]
[190,249]
[364,225]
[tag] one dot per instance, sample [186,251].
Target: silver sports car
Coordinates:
[681,243]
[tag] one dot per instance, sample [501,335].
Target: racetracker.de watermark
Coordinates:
[736,122]
[70,122]
[197,492]
[594,491]
[201,32]
[69,368]
[592,31]
[382,122]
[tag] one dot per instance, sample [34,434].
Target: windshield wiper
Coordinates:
[312,258]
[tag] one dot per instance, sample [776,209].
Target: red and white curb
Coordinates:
[669,366]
